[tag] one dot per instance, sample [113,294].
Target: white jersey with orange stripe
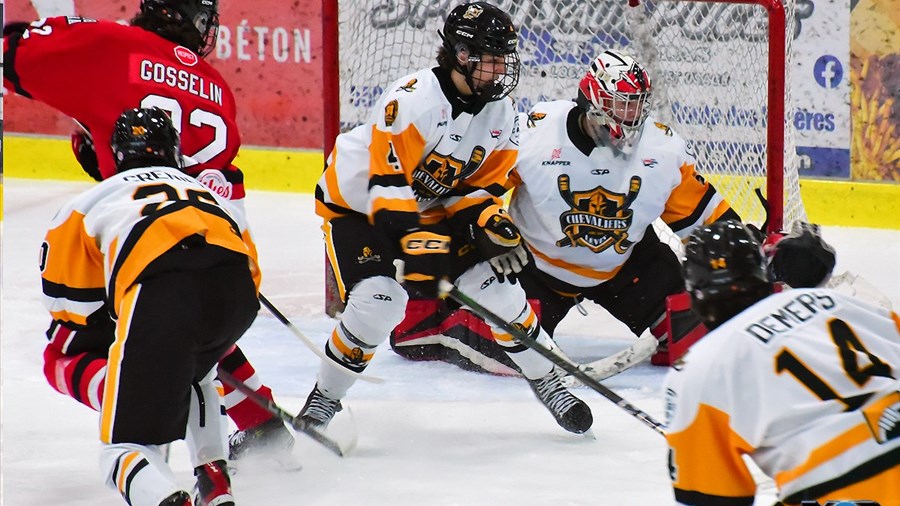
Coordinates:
[100,242]
[420,144]
[805,382]
[581,207]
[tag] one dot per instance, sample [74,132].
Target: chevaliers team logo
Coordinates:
[186,56]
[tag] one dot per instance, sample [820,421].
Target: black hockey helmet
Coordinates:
[479,29]
[144,138]
[191,23]
[725,271]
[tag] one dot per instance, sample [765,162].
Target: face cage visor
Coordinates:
[623,114]
[497,78]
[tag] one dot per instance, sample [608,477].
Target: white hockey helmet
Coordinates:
[615,93]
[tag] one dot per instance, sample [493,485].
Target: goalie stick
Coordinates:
[299,426]
[312,346]
[607,367]
[567,365]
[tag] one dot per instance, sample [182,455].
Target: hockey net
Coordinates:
[720,69]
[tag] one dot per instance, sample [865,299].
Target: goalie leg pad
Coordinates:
[679,331]
[374,307]
[432,331]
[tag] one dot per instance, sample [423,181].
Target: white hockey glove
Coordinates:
[499,241]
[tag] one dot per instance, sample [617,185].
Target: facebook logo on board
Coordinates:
[828,71]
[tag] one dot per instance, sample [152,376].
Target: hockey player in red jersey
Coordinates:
[803,382]
[592,176]
[93,70]
[421,182]
[158,276]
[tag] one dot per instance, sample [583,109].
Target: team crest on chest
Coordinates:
[439,174]
[598,218]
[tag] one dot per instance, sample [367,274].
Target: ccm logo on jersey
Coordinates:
[422,244]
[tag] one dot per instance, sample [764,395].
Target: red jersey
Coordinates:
[94,70]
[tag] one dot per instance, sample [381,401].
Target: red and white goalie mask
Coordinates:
[615,93]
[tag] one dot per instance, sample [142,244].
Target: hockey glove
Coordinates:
[83,147]
[426,260]
[802,259]
[499,241]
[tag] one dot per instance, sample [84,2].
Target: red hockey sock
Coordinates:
[79,376]
[244,412]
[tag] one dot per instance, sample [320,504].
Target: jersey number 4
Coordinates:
[850,348]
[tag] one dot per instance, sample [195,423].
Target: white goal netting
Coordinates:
[708,60]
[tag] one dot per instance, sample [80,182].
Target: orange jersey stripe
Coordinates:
[686,196]
[577,269]
[114,364]
[76,260]
[391,154]
[168,230]
[711,450]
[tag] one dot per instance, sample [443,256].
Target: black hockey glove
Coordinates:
[802,259]
[83,147]
[498,240]
[426,260]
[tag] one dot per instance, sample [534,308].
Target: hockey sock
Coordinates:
[244,412]
[81,376]
[532,364]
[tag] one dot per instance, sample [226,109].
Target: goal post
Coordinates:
[721,71]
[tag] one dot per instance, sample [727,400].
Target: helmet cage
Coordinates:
[473,31]
[616,93]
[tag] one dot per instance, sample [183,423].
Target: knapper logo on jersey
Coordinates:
[215,181]
[554,159]
[496,133]
[410,86]
[599,218]
[186,56]
[649,162]
[439,174]
[368,256]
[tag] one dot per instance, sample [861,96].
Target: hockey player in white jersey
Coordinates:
[803,382]
[422,181]
[592,176]
[157,277]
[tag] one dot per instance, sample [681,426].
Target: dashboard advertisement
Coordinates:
[268,51]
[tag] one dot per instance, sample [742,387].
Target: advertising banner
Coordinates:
[269,51]
[821,87]
[875,75]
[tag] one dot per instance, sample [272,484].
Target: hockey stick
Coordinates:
[607,367]
[567,365]
[270,406]
[312,346]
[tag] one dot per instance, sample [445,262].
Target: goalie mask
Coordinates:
[615,95]
[145,138]
[483,41]
[725,271]
[191,23]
